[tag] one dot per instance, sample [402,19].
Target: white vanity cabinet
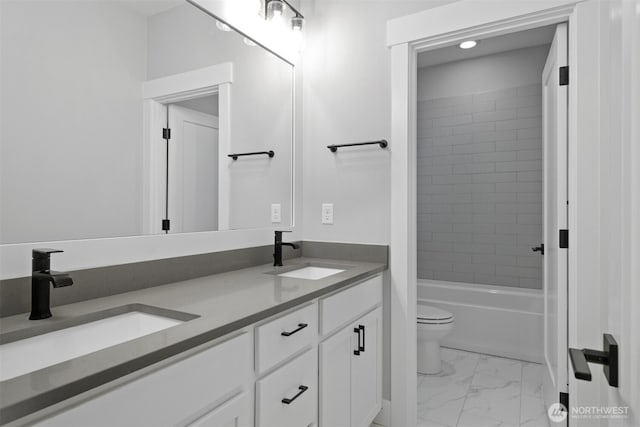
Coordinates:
[317,363]
[234,413]
[351,357]
[191,390]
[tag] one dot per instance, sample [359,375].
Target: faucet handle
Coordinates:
[44,252]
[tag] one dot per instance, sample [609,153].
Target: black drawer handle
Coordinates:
[361,327]
[302,389]
[358,347]
[301,326]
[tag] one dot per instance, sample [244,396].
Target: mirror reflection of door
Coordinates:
[192,200]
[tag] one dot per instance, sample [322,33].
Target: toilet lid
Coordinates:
[427,312]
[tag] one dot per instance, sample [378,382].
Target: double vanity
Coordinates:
[296,345]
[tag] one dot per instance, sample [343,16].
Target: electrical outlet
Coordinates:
[276,216]
[327,213]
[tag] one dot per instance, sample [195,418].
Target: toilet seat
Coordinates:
[429,315]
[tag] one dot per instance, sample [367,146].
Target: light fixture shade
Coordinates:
[296,23]
[274,8]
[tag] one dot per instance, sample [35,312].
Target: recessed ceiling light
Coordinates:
[468,44]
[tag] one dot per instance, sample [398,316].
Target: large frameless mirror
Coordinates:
[127,118]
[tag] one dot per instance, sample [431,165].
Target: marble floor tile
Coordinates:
[532,374]
[533,413]
[476,390]
[500,367]
[441,397]
[494,398]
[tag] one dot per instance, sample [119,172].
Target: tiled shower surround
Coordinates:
[480,187]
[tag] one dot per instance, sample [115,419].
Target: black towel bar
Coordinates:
[235,156]
[382,143]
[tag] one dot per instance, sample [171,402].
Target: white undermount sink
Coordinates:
[29,354]
[311,273]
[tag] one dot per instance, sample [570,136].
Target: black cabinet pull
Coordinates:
[358,348]
[301,326]
[302,389]
[361,327]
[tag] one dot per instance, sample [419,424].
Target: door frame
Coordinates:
[157,93]
[446,25]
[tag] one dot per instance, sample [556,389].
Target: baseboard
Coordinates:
[384,416]
[491,351]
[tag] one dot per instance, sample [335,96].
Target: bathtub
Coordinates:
[494,320]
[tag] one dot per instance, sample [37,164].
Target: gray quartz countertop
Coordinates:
[224,303]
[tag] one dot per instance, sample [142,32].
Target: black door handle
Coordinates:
[302,389]
[358,347]
[539,249]
[361,327]
[608,358]
[301,326]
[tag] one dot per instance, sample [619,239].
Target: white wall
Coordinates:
[88,107]
[483,74]
[183,39]
[347,99]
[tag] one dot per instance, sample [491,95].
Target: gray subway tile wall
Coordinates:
[480,187]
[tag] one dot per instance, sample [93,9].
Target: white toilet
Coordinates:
[433,325]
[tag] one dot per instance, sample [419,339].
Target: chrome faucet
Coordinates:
[277,248]
[41,276]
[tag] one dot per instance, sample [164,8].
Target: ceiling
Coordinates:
[519,40]
[151,7]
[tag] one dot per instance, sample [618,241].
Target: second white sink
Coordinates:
[311,273]
[30,354]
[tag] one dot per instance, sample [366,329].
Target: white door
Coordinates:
[335,379]
[366,371]
[193,170]
[554,102]
[616,310]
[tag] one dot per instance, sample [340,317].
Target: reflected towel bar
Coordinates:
[382,143]
[235,156]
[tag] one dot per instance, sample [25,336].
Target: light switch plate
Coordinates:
[276,213]
[327,213]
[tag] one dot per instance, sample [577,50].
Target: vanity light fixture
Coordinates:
[296,23]
[275,9]
[468,44]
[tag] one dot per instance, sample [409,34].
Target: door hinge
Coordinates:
[564,399]
[564,76]
[166,133]
[564,239]
[166,226]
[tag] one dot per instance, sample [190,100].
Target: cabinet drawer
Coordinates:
[234,413]
[287,383]
[347,305]
[170,395]
[284,336]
